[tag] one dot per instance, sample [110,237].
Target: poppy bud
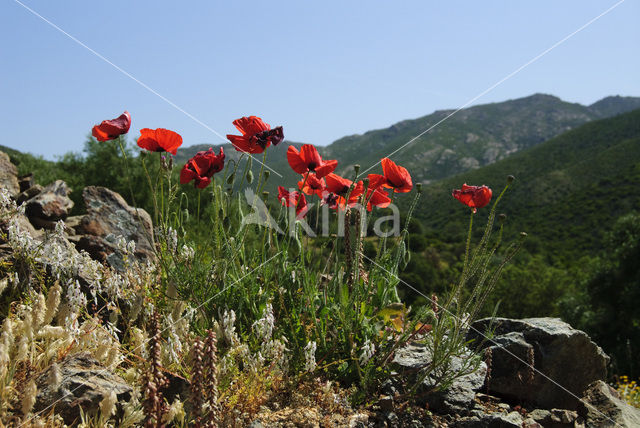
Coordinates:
[356,167]
[502,217]
[266,175]
[419,187]
[231,178]
[249,176]
[510,179]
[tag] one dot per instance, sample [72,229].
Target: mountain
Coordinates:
[568,191]
[469,139]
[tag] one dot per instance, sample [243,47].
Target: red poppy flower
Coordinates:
[201,168]
[377,198]
[159,140]
[308,160]
[296,199]
[312,185]
[395,177]
[110,129]
[473,196]
[256,135]
[340,187]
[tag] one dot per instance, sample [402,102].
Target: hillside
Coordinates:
[472,138]
[568,190]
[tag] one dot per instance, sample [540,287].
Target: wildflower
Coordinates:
[368,349]
[340,187]
[308,160]
[256,135]
[265,325]
[473,196]
[159,140]
[201,168]
[296,199]
[312,185]
[310,357]
[394,177]
[110,129]
[377,198]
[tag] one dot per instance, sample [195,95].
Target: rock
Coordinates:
[26,181]
[554,418]
[565,355]
[8,175]
[602,406]
[530,423]
[489,420]
[459,397]
[52,203]
[108,217]
[83,384]
[359,420]
[97,247]
[29,193]
[23,223]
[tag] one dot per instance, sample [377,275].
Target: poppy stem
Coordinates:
[198,210]
[466,251]
[264,159]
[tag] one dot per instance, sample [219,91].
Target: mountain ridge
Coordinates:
[474,137]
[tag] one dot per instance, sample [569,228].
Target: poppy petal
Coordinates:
[327,167]
[250,125]
[295,160]
[397,176]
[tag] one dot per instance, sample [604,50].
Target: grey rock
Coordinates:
[109,216]
[602,406]
[84,383]
[565,355]
[554,418]
[531,423]
[8,175]
[459,397]
[53,203]
[540,415]
[490,420]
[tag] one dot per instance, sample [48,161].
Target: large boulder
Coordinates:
[82,384]
[51,204]
[8,175]
[459,397]
[542,361]
[109,217]
[602,406]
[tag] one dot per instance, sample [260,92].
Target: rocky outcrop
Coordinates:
[8,175]
[602,406]
[543,361]
[109,217]
[49,205]
[80,383]
[459,397]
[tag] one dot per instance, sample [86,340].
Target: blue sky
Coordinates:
[323,70]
